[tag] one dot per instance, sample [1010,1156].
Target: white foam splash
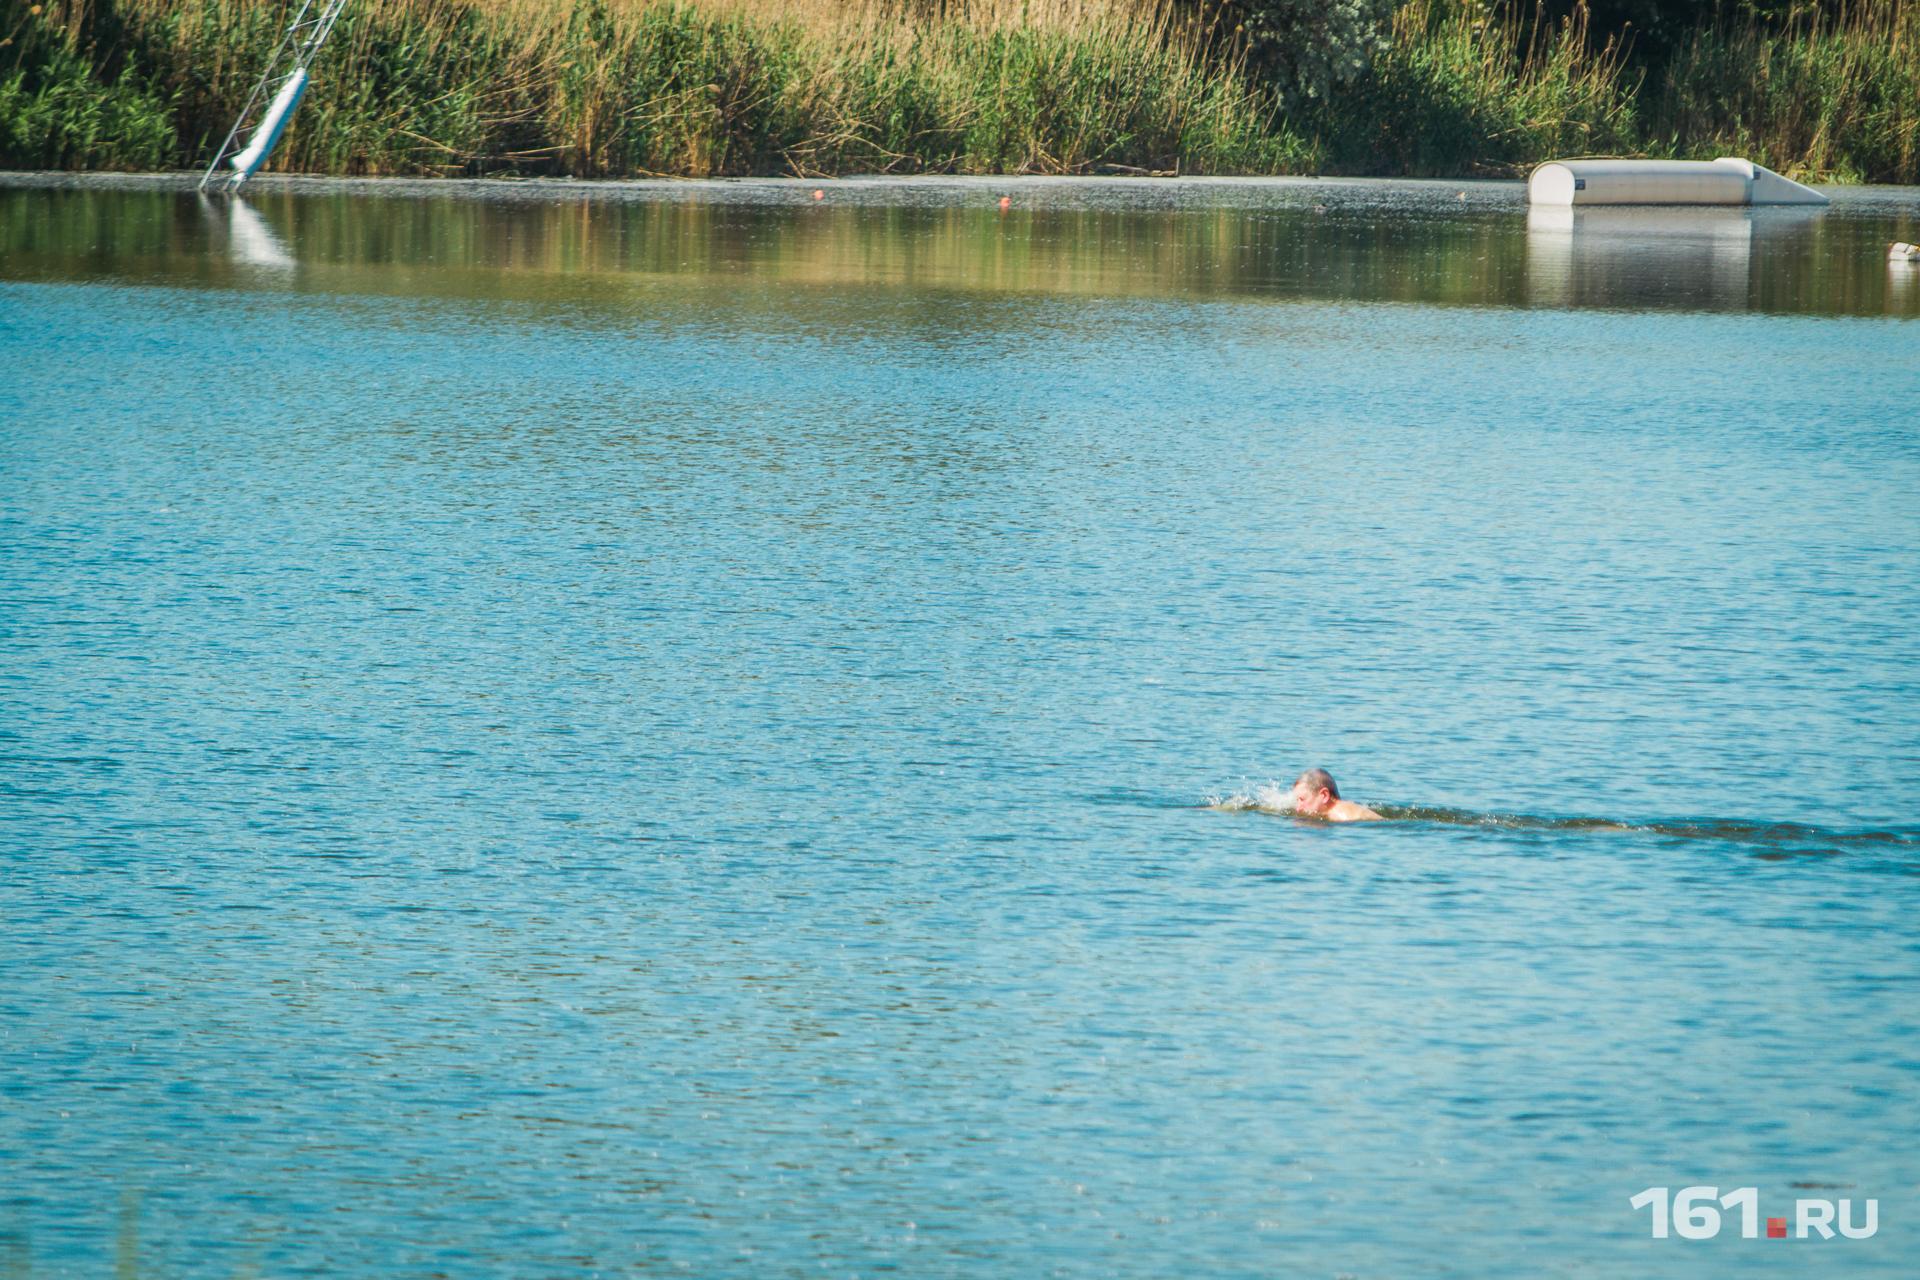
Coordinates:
[1266,797]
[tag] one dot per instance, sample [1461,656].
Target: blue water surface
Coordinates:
[521,757]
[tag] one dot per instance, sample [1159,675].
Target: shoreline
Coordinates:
[1042,191]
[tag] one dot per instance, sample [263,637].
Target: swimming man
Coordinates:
[1315,795]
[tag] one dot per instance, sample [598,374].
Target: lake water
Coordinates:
[562,731]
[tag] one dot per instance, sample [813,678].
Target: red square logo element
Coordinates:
[1776,1228]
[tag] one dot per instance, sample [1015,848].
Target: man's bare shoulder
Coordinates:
[1348,811]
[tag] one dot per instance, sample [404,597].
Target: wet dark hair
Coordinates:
[1317,779]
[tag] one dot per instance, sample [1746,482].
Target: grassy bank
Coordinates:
[709,87]
[624,87]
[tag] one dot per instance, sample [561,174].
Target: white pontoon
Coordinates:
[1725,181]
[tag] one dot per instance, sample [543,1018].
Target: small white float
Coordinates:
[1725,181]
[1901,251]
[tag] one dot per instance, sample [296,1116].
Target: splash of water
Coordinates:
[1267,797]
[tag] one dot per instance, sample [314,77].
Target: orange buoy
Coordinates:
[819,195]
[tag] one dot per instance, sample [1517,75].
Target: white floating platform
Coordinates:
[1725,181]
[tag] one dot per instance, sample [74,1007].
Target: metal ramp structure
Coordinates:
[285,77]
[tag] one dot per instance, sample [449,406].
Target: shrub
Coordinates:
[1308,48]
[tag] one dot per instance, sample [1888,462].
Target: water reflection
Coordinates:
[251,241]
[1903,287]
[1363,242]
[1660,257]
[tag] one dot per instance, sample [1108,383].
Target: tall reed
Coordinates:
[64,106]
[624,87]
[609,88]
[1834,95]
[1468,88]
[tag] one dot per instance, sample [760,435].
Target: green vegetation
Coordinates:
[1835,95]
[1459,91]
[60,109]
[614,88]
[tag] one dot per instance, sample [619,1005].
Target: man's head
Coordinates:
[1314,792]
